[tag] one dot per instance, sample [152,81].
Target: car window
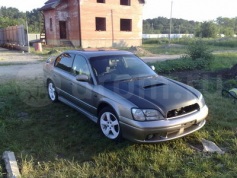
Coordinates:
[64,61]
[80,66]
[119,67]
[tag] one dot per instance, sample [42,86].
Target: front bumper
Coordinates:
[163,130]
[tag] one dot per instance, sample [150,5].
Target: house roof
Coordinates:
[50,4]
[142,1]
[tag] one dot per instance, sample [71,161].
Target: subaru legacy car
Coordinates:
[124,96]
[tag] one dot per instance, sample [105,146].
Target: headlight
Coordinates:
[146,114]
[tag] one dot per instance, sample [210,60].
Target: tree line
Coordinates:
[12,17]
[160,25]
[207,29]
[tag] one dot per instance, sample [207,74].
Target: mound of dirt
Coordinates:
[140,51]
[53,51]
[229,73]
[196,75]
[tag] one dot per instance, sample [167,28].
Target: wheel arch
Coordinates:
[104,104]
[110,108]
[48,80]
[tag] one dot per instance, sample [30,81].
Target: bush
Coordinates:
[155,41]
[198,50]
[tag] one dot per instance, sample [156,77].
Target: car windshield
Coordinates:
[119,68]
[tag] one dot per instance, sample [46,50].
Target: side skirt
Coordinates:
[87,114]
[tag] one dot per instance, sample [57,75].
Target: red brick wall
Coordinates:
[111,9]
[89,10]
[51,36]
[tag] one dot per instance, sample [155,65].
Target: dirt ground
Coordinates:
[190,76]
[15,65]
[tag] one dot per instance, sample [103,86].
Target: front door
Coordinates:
[83,91]
[63,29]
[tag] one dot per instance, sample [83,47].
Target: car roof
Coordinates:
[96,53]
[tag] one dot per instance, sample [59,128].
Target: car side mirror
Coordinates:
[82,78]
[153,68]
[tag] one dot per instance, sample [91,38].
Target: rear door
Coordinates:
[63,75]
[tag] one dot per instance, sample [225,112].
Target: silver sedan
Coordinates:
[121,93]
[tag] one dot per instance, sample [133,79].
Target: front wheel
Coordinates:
[53,96]
[109,124]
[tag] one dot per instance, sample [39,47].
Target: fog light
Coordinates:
[150,136]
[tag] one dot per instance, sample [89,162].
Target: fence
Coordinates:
[14,37]
[147,36]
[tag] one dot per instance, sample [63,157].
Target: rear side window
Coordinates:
[64,61]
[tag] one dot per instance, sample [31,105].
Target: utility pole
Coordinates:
[27,31]
[170,20]
[112,25]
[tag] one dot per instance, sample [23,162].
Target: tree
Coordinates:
[207,30]
[162,25]
[33,18]
[228,32]
[12,16]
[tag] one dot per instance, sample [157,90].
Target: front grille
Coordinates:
[183,110]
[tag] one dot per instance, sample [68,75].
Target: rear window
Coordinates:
[64,61]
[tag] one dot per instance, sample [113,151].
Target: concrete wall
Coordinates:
[147,36]
[33,36]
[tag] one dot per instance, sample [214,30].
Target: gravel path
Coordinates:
[16,65]
[9,56]
[160,58]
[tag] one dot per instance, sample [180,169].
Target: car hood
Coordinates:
[155,93]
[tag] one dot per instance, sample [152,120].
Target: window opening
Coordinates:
[100,24]
[125,24]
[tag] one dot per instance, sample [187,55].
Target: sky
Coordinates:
[197,10]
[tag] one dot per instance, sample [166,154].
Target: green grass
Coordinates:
[224,60]
[220,61]
[182,64]
[53,140]
[164,48]
[179,46]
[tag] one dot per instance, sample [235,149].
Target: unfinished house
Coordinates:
[93,23]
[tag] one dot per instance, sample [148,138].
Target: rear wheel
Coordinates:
[109,124]
[52,93]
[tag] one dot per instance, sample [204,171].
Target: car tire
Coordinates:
[52,93]
[109,124]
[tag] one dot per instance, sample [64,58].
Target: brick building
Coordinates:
[93,23]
